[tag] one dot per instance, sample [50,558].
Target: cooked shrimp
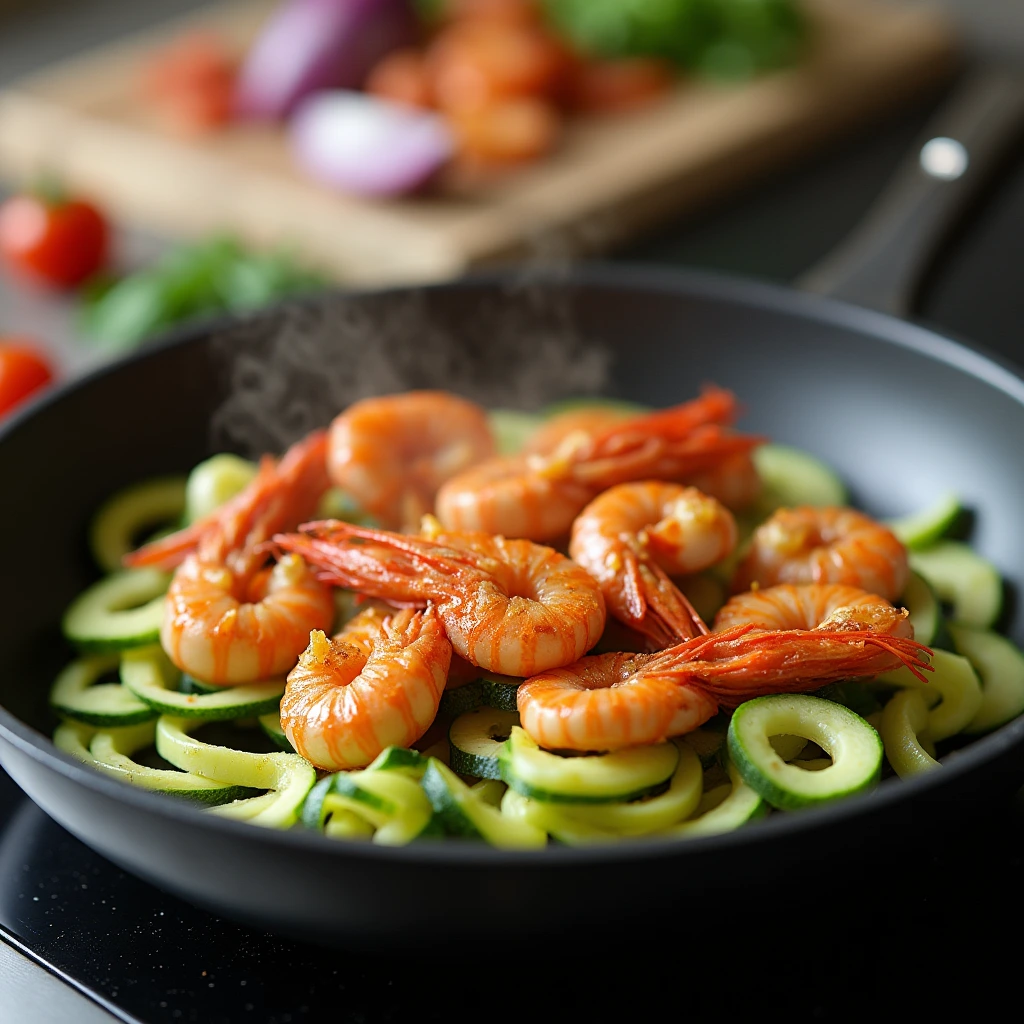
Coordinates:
[509,606]
[610,701]
[289,489]
[735,481]
[825,545]
[229,618]
[538,496]
[589,420]
[345,702]
[364,627]
[821,606]
[633,537]
[393,453]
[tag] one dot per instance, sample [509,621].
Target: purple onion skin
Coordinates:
[309,45]
[404,156]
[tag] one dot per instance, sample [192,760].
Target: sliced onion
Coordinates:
[368,146]
[308,45]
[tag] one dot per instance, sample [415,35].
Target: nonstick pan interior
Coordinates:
[904,415]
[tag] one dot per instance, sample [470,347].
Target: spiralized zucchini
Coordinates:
[512,793]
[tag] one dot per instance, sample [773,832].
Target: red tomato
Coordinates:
[22,371]
[58,242]
[618,85]
[191,84]
[401,77]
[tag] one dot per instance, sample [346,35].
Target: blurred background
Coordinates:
[176,159]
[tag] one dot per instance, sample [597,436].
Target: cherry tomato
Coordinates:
[510,132]
[22,371]
[191,84]
[619,85]
[59,242]
[402,77]
[475,64]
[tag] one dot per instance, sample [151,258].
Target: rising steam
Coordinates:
[292,370]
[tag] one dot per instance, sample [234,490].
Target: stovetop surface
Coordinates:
[929,927]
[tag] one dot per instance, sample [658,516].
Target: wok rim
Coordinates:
[743,293]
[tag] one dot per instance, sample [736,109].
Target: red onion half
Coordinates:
[368,146]
[308,45]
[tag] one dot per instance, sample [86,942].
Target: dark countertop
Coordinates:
[920,936]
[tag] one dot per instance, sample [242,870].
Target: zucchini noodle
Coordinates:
[120,699]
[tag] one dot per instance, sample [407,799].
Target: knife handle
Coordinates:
[883,262]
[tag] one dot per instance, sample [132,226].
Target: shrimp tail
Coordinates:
[402,570]
[282,494]
[668,615]
[739,664]
[714,405]
[168,552]
[638,455]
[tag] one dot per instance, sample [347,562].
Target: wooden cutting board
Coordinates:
[612,177]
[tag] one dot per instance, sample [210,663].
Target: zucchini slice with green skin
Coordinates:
[512,429]
[476,739]
[489,690]
[391,802]
[904,719]
[189,684]
[344,824]
[148,673]
[955,684]
[551,819]
[853,745]
[791,477]
[123,610]
[74,739]
[462,699]
[270,723]
[962,578]
[214,481]
[740,805]
[921,601]
[77,695]
[468,815]
[289,776]
[130,514]
[110,751]
[621,775]
[501,692]
[653,814]
[922,529]
[400,759]
[1000,666]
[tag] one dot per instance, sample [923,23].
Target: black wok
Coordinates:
[901,412]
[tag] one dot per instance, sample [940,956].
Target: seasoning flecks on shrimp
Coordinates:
[610,701]
[633,537]
[230,619]
[393,453]
[509,606]
[825,545]
[367,688]
[538,496]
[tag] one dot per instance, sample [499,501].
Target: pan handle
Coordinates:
[882,264]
